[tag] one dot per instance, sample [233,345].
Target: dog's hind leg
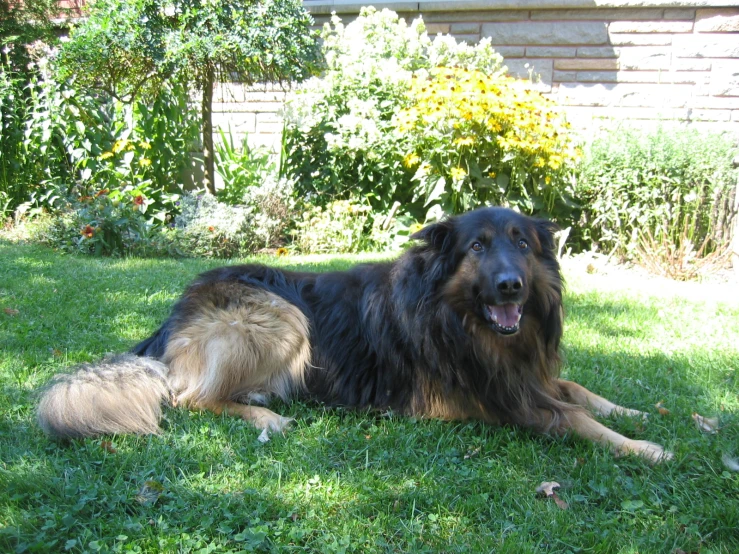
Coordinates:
[239,342]
[580,396]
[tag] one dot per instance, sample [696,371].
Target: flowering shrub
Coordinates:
[340,138]
[105,224]
[472,138]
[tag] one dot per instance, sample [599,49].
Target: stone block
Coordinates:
[645,58]
[650,27]
[465,28]
[725,78]
[717,20]
[684,14]
[706,45]
[469,39]
[474,16]
[597,76]
[628,39]
[588,64]
[602,14]
[510,51]
[735,116]
[546,33]
[564,76]
[436,28]
[710,115]
[597,52]
[691,64]
[551,51]
[595,95]
[237,122]
[539,70]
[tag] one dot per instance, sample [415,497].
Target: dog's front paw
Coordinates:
[650,451]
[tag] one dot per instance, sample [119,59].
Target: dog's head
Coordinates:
[499,267]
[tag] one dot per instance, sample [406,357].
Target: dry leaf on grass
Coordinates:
[661,409]
[149,492]
[11,311]
[108,447]
[706,424]
[471,453]
[547,489]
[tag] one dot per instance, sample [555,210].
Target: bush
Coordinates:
[241,168]
[474,139]
[665,186]
[61,143]
[340,137]
[102,225]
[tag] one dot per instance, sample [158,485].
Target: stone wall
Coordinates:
[620,59]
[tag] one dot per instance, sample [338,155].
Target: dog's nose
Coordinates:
[509,283]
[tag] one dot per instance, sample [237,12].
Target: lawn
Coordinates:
[355,482]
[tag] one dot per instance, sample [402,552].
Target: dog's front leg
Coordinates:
[586,427]
[580,396]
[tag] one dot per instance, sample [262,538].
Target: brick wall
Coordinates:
[663,59]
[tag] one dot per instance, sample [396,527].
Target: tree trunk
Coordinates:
[207,114]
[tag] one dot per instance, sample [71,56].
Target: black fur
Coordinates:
[383,335]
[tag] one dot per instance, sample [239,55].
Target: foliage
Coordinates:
[212,229]
[344,481]
[340,138]
[665,184]
[383,124]
[349,226]
[241,168]
[62,142]
[130,48]
[474,139]
[106,224]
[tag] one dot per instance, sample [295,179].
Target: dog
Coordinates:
[466,324]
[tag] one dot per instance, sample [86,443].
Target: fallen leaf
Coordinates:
[547,489]
[11,311]
[661,409]
[730,463]
[263,436]
[471,453]
[706,424]
[149,492]
[108,447]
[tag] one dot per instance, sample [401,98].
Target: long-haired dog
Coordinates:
[465,324]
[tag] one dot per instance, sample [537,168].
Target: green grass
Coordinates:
[355,482]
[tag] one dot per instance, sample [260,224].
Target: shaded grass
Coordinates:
[341,481]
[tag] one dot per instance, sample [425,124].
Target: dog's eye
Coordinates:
[522,244]
[477,246]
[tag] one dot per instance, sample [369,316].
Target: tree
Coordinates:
[128,48]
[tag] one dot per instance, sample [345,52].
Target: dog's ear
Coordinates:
[437,235]
[545,230]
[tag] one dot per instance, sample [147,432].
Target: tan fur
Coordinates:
[119,395]
[261,345]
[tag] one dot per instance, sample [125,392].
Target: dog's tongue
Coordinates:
[507,315]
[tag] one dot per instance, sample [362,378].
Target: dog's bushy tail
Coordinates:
[123,394]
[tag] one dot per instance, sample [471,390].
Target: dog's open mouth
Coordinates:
[504,318]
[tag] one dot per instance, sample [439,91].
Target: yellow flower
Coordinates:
[281,252]
[411,160]
[415,227]
[145,145]
[144,162]
[458,173]
[119,146]
[105,155]
[465,141]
